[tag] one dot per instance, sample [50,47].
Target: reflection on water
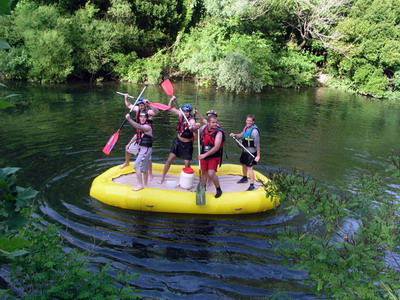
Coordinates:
[56,135]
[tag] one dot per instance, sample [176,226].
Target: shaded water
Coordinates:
[56,133]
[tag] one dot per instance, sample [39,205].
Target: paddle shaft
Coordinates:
[251,154]
[154,104]
[133,106]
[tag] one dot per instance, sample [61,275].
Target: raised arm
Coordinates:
[200,116]
[127,102]
[154,110]
[172,108]
[145,128]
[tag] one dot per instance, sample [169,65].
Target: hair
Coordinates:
[251,116]
[211,117]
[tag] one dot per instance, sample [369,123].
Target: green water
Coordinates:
[56,134]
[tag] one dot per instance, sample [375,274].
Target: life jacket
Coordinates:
[182,127]
[208,142]
[144,139]
[247,139]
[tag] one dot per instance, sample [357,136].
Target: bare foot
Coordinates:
[137,188]
[151,177]
[124,165]
[161,180]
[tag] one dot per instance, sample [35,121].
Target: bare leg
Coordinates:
[251,174]
[204,177]
[244,169]
[213,177]
[167,165]
[127,159]
[139,179]
[150,167]
[145,178]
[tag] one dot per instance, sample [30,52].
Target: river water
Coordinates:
[56,134]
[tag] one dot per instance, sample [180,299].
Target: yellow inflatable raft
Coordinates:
[114,187]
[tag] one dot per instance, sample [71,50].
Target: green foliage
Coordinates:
[200,51]
[147,70]
[396,81]
[15,63]
[236,74]
[296,68]
[350,256]
[41,268]
[260,54]
[369,42]
[14,202]
[49,272]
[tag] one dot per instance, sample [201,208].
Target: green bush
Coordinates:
[41,268]
[50,272]
[296,68]
[350,255]
[51,59]
[396,81]
[15,63]
[235,73]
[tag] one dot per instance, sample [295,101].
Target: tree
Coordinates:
[368,50]
[313,20]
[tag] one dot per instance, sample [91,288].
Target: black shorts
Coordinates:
[247,159]
[181,149]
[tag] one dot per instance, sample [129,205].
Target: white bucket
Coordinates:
[186,179]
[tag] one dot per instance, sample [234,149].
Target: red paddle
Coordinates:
[114,138]
[169,90]
[167,87]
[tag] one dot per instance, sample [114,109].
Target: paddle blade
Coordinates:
[160,106]
[167,87]
[200,193]
[111,142]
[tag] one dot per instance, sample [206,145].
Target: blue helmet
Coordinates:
[140,101]
[186,107]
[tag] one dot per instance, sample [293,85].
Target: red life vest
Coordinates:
[182,127]
[208,141]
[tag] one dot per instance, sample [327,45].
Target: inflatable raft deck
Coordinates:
[114,187]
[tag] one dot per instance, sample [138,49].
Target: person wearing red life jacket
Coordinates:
[144,139]
[141,106]
[182,145]
[211,139]
[251,140]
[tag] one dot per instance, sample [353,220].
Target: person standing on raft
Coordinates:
[211,140]
[251,140]
[144,138]
[182,145]
[141,106]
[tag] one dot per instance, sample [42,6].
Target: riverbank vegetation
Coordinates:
[234,44]
[353,249]
[37,263]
